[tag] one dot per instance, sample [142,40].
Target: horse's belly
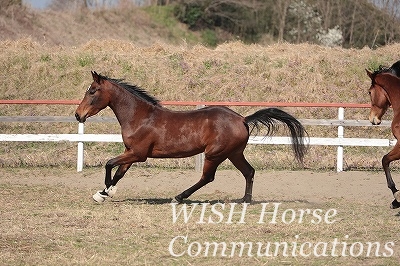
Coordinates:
[175,153]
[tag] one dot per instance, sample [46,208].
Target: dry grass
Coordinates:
[230,72]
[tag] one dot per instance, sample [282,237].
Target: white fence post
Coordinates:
[79,164]
[339,167]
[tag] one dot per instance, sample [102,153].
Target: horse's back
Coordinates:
[224,125]
[221,115]
[220,110]
[212,123]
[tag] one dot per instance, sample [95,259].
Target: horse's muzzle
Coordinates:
[79,118]
[374,118]
[375,121]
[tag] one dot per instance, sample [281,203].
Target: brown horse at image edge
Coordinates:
[150,130]
[385,92]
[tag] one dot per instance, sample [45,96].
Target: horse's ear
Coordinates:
[369,73]
[96,77]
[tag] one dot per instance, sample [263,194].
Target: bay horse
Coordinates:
[385,92]
[150,130]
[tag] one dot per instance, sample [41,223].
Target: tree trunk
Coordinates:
[281,8]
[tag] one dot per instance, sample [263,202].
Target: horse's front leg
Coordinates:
[111,188]
[393,155]
[124,161]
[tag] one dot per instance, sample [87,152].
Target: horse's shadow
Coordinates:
[162,201]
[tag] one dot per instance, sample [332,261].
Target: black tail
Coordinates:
[269,118]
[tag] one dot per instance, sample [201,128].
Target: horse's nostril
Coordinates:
[77,117]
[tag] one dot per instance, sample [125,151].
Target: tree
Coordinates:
[303,22]
[350,23]
[247,19]
[280,9]
[7,3]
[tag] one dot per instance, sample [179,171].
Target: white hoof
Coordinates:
[397,195]
[111,191]
[98,197]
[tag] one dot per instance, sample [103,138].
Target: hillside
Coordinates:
[55,28]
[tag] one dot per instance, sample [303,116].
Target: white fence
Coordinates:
[81,137]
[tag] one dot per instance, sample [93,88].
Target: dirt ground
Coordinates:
[356,186]
[49,217]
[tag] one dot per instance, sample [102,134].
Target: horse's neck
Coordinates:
[393,91]
[126,106]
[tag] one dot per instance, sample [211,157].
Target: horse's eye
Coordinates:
[92,91]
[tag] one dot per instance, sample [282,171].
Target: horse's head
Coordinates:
[379,99]
[96,98]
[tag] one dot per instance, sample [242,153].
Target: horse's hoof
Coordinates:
[395,204]
[246,199]
[176,200]
[111,191]
[241,200]
[98,197]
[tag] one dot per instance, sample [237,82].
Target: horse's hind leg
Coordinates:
[240,162]
[209,169]
[393,155]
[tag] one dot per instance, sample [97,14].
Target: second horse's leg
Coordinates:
[393,155]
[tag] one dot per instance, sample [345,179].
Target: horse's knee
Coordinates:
[109,164]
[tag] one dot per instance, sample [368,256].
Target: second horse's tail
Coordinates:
[271,117]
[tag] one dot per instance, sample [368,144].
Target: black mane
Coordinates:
[383,69]
[394,69]
[135,90]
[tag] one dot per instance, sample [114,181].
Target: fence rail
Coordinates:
[105,119]
[198,103]
[80,137]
